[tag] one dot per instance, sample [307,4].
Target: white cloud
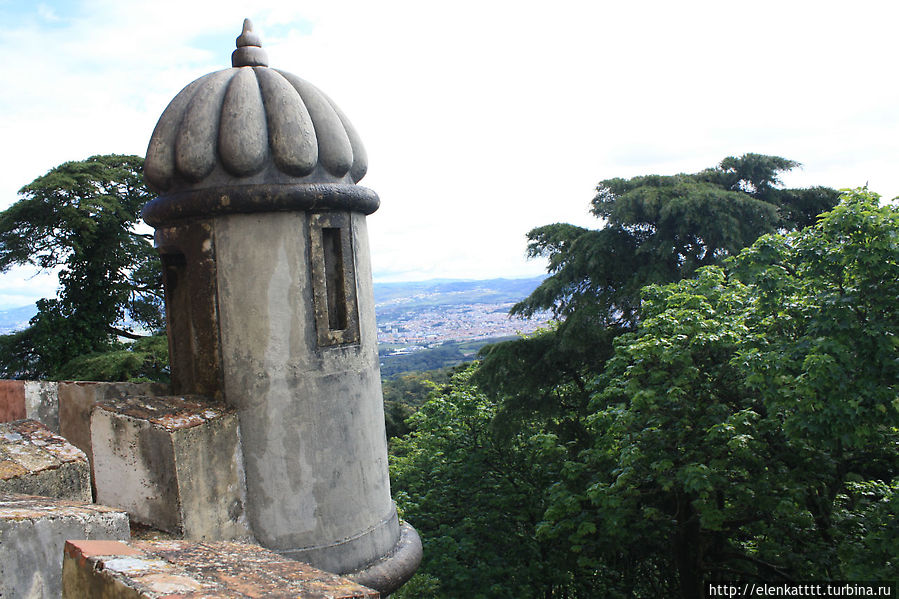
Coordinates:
[22,286]
[482,119]
[47,13]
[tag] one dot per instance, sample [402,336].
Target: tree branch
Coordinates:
[127,334]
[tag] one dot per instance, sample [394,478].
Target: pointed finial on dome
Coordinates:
[249,51]
[248,37]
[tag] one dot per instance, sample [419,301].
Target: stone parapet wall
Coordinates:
[33,533]
[64,407]
[12,400]
[42,403]
[35,461]
[76,400]
[156,569]
[37,400]
[174,462]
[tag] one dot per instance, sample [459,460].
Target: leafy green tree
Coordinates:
[143,360]
[748,427]
[475,495]
[660,229]
[656,229]
[80,218]
[405,393]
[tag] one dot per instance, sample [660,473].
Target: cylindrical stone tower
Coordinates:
[261,228]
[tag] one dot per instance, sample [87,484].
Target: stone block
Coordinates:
[35,461]
[33,532]
[12,400]
[208,570]
[78,398]
[173,463]
[36,400]
[42,403]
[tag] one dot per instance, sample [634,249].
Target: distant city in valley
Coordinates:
[427,326]
[417,315]
[422,325]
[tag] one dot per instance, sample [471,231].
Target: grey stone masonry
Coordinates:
[33,533]
[76,400]
[261,229]
[173,463]
[42,403]
[35,461]
[219,570]
[36,400]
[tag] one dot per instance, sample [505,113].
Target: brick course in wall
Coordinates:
[12,400]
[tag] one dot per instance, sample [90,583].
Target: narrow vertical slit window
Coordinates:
[333,278]
[335,282]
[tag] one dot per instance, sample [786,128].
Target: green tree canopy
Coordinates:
[475,495]
[659,229]
[80,218]
[748,428]
[143,360]
[656,229]
[405,393]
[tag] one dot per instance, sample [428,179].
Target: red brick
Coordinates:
[77,549]
[12,400]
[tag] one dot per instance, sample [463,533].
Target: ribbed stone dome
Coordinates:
[251,125]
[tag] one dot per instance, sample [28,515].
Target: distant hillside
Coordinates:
[433,324]
[391,299]
[453,292]
[16,319]
[449,353]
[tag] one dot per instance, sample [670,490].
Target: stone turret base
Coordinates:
[395,569]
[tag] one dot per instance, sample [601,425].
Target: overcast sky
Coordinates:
[482,119]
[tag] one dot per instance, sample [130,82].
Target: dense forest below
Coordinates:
[448,353]
[715,398]
[717,401]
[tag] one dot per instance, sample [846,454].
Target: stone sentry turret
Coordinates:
[262,233]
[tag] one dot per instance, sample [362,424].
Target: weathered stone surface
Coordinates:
[33,532]
[35,461]
[249,125]
[394,569]
[243,136]
[42,403]
[36,400]
[243,199]
[77,399]
[188,271]
[195,570]
[173,463]
[249,52]
[312,422]
[267,166]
